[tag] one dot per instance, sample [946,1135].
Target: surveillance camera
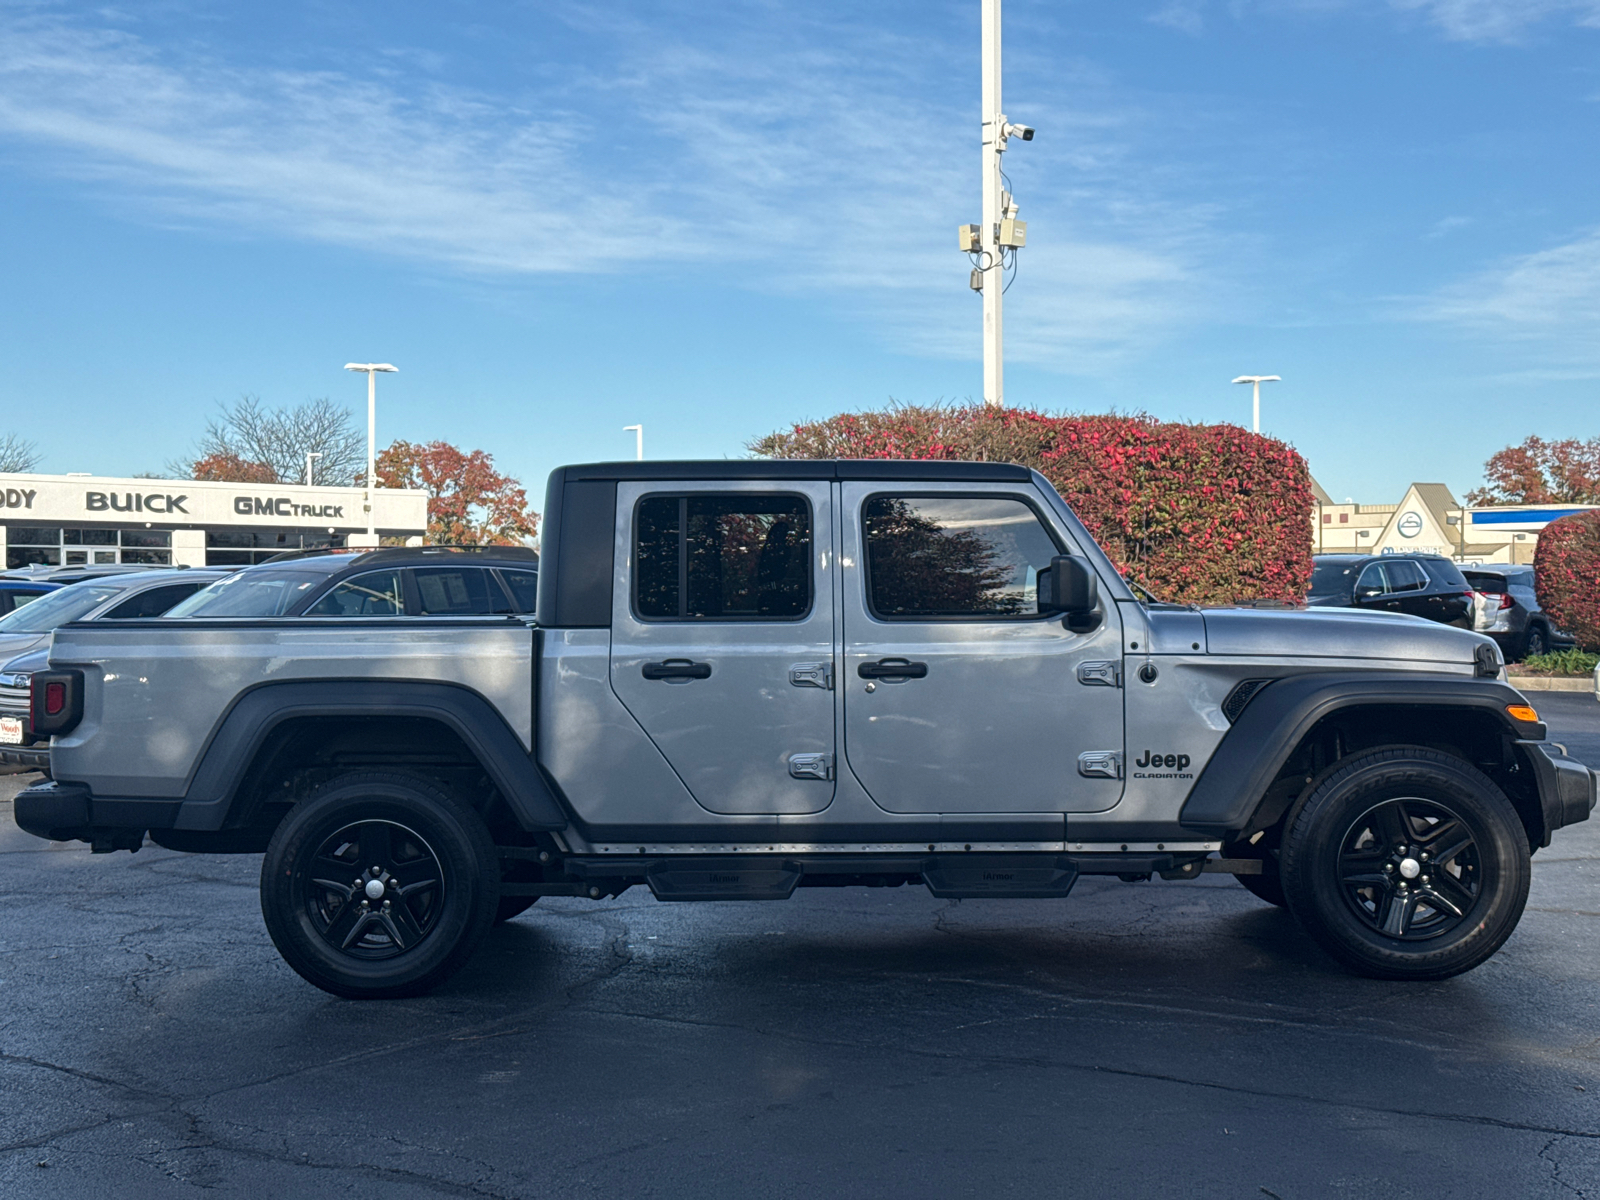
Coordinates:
[1025,132]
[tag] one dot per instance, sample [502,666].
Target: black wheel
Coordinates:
[1406,864]
[379,885]
[1535,641]
[512,906]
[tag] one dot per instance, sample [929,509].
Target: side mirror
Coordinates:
[1368,593]
[1068,586]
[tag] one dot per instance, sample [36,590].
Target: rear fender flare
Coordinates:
[253,717]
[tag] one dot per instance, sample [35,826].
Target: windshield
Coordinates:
[258,593]
[1331,578]
[70,603]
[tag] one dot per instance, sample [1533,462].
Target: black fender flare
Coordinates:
[251,719]
[1278,717]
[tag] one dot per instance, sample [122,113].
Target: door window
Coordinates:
[1373,582]
[721,558]
[375,594]
[458,592]
[1406,577]
[524,587]
[952,557]
[154,602]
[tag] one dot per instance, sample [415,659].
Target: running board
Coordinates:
[733,878]
[1000,876]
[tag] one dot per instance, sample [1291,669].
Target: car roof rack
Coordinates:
[523,553]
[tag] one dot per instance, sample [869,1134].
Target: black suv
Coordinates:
[421,581]
[1423,585]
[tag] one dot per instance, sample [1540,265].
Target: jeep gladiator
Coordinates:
[748,677]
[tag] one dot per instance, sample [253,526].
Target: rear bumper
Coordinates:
[36,758]
[65,812]
[1567,789]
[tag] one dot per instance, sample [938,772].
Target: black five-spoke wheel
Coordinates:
[374,889]
[379,885]
[1409,867]
[1406,863]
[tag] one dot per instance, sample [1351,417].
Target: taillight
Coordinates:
[55,701]
[1505,600]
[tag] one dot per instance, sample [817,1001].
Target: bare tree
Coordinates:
[274,442]
[18,454]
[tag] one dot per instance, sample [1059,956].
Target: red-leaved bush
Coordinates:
[1566,572]
[1196,513]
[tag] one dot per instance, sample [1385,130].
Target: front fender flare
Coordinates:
[1277,719]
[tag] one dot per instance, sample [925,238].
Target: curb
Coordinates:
[1537,683]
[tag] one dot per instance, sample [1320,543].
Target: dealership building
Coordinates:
[65,520]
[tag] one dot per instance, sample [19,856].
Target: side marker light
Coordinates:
[1522,712]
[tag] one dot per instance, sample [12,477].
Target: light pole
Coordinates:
[371,370]
[638,440]
[1257,381]
[1000,231]
[310,454]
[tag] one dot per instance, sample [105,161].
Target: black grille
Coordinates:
[1243,692]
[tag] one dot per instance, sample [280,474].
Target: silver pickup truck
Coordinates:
[747,677]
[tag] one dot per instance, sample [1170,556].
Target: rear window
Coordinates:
[265,592]
[1444,573]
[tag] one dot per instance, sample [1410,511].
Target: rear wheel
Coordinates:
[379,885]
[1407,864]
[1535,641]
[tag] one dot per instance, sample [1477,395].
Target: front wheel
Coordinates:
[379,885]
[1407,864]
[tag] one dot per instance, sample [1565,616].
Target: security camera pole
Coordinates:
[1258,380]
[372,370]
[1000,230]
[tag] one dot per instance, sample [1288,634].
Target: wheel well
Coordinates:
[301,753]
[1473,736]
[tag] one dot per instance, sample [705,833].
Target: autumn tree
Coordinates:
[247,442]
[469,502]
[1541,472]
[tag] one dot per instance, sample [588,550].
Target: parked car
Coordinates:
[413,581]
[78,572]
[1419,585]
[1509,612]
[14,593]
[749,677]
[25,639]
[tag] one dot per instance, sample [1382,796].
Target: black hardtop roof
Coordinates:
[907,470]
[1380,557]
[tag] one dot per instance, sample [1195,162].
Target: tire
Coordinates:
[1535,641]
[512,906]
[1361,869]
[401,931]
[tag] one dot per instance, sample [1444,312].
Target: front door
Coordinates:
[722,640]
[958,696]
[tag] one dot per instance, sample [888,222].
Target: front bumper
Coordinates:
[1567,789]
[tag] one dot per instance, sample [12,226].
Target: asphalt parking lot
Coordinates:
[1159,1039]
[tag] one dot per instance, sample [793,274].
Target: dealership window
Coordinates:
[243,547]
[54,546]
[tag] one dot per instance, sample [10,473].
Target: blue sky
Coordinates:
[721,218]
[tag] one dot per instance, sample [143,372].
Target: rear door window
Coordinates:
[458,592]
[743,556]
[1408,577]
[375,594]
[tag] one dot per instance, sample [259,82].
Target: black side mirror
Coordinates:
[1069,587]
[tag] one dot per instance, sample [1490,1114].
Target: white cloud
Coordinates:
[1499,20]
[799,158]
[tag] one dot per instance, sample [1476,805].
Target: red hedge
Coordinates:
[1196,513]
[1566,572]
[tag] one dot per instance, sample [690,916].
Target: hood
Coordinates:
[27,664]
[1338,633]
[13,644]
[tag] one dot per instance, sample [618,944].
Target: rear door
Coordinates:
[958,696]
[722,639]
